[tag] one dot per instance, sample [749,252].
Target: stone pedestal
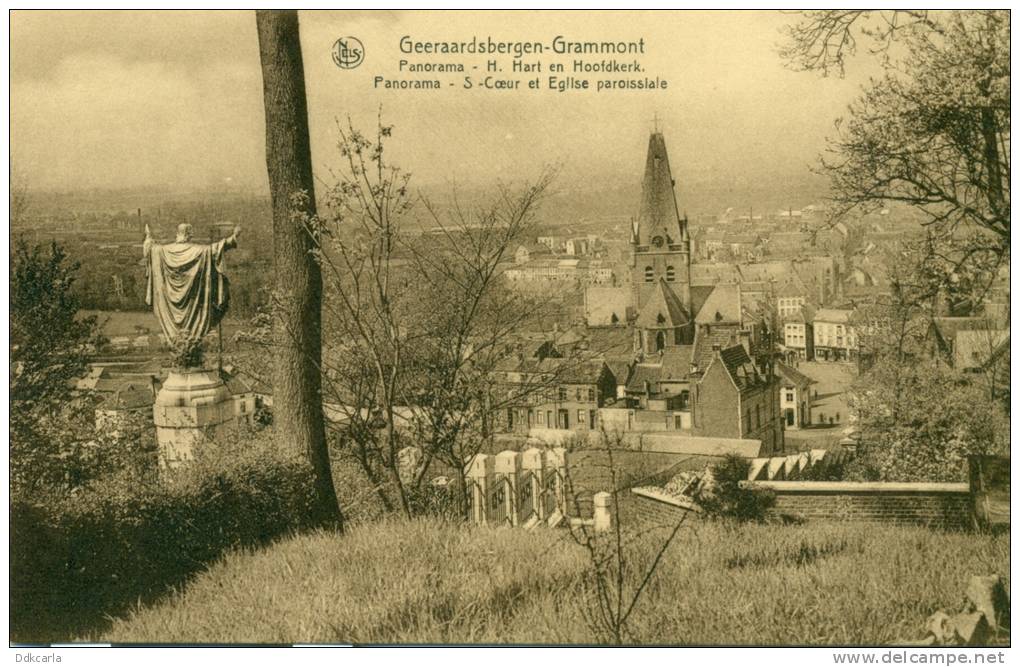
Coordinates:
[192,408]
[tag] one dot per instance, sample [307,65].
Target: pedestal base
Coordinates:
[192,408]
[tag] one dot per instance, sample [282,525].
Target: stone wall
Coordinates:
[947,506]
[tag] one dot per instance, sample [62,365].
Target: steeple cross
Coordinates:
[655,122]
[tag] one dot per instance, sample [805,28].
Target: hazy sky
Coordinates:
[127,99]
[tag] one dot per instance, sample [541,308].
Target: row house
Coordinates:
[834,336]
[563,394]
[798,334]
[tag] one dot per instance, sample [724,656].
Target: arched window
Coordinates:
[660,341]
[614,319]
[660,319]
[649,274]
[670,274]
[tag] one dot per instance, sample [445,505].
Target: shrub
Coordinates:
[723,496]
[76,558]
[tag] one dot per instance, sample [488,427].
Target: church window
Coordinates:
[660,319]
[649,274]
[614,319]
[670,274]
[660,341]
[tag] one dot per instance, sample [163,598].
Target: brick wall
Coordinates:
[946,506]
[641,512]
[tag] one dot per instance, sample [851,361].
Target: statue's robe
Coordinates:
[186,287]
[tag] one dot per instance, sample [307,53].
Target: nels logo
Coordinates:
[348,52]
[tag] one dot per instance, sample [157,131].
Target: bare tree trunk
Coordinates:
[297,382]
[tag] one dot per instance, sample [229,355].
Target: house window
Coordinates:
[649,274]
[580,418]
[757,416]
[563,393]
[577,393]
[670,274]
[541,418]
[591,395]
[789,397]
[747,420]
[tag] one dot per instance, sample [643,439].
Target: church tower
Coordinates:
[660,240]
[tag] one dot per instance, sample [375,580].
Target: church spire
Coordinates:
[658,215]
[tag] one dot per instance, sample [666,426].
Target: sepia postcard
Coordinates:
[453,328]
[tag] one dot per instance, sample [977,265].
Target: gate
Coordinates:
[499,502]
[526,506]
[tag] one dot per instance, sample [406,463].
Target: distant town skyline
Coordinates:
[174,100]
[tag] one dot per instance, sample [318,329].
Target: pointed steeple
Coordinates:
[658,215]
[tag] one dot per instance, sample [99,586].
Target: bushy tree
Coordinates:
[918,418]
[721,495]
[919,421]
[50,421]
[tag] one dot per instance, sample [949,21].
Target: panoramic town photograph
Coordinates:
[504,328]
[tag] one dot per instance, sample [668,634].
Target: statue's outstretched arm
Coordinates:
[232,240]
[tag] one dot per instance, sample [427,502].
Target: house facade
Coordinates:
[794,397]
[834,335]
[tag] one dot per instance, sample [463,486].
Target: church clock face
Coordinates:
[657,241]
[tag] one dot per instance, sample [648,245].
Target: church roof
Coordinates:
[602,303]
[658,214]
[722,305]
[663,310]
[699,295]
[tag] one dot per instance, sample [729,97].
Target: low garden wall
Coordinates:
[947,506]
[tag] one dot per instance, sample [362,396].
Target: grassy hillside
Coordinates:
[395,582]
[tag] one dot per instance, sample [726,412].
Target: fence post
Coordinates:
[603,516]
[532,463]
[508,471]
[480,473]
[557,458]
